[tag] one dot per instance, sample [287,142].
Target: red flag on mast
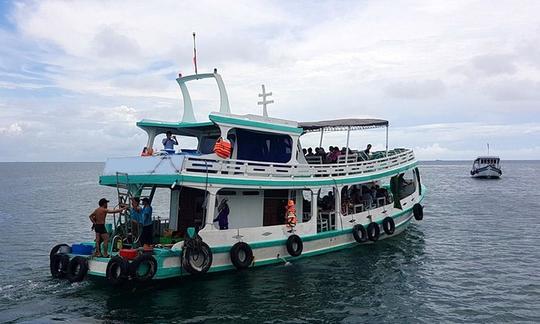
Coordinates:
[194,54]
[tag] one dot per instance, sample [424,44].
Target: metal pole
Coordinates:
[387,140]
[347,150]
[320,141]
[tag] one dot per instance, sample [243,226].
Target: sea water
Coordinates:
[474,258]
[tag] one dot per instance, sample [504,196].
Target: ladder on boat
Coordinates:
[126,191]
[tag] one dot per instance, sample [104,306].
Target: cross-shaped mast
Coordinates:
[265,102]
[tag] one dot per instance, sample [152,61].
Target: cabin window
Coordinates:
[250,193]
[263,147]
[207,143]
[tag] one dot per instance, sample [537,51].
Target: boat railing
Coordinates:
[234,167]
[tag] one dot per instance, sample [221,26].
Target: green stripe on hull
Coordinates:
[164,273]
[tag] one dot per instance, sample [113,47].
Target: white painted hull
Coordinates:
[275,251]
[487,172]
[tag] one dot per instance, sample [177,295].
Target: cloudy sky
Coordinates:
[450,76]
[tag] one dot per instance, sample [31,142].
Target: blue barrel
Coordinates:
[82,249]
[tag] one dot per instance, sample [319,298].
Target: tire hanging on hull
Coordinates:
[77,269]
[241,255]
[59,265]
[147,263]
[373,231]
[196,256]
[388,225]
[359,233]
[294,245]
[418,211]
[117,270]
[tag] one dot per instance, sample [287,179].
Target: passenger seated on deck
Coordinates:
[147,151]
[98,225]
[367,198]
[169,142]
[367,150]
[310,152]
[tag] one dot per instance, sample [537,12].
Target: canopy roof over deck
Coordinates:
[342,124]
[179,128]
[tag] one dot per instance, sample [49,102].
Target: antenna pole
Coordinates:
[265,102]
[194,53]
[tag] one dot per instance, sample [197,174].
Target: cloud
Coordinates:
[89,70]
[514,90]
[12,130]
[494,64]
[416,89]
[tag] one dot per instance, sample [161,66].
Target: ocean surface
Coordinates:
[474,258]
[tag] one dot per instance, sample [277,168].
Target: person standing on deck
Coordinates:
[98,221]
[146,220]
[135,213]
[223,215]
[169,142]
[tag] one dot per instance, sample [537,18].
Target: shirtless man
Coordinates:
[98,219]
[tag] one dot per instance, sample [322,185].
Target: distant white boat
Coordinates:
[486,167]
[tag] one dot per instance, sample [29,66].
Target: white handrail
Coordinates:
[264,169]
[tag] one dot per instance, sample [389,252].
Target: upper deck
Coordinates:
[167,169]
[264,151]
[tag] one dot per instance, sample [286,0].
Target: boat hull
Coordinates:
[488,172]
[265,253]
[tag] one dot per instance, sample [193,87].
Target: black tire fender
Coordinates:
[117,270]
[241,255]
[294,245]
[143,259]
[373,231]
[196,256]
[359,233]
[388,225]
[77,269]
[59,265]
[418,211]
[56,248]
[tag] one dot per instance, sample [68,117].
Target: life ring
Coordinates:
[241,255]
[196,256]
[418,211]
[294,245]
[77,269]
[57,248]
[117,270]
[58,265]
[373,231]
[388,225]
[143,268]
[359,233]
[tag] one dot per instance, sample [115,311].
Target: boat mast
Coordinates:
[387,140]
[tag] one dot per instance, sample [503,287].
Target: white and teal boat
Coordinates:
[281,204]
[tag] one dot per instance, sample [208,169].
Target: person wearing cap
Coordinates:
[98,225]
[146,222]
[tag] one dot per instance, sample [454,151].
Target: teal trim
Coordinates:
[155,123]
[256,124]
[167,180]
[164,273]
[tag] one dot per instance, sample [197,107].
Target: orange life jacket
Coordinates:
[223,148]
[291,213]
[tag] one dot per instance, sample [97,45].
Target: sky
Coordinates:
[450,76]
